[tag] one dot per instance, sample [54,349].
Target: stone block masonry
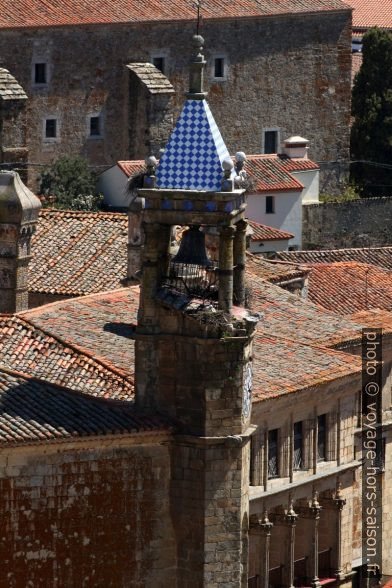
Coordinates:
[288,72]
[359,223]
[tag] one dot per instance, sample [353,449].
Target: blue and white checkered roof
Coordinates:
[194,154]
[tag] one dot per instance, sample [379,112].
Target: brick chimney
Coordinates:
[19,209]
[296,147]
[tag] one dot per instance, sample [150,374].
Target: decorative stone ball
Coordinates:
[198,41]
[240,157]
[227,164]
[151,161]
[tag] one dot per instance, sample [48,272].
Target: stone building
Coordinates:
[167,435]
[274,68]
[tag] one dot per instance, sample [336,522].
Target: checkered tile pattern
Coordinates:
[193,156]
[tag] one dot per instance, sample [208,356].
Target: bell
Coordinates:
[192,250]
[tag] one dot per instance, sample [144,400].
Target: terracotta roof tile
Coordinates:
[274,272]
[347,287]
[381,256]
[376,318]
[265,233]
[36,411]
[282,367]
[273,172]
[371,13]
[37,13]
[77,253]
[27,348]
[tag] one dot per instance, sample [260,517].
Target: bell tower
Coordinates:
[194,340]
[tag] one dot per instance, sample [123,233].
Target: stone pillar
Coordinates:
[239,262]
[262,526]
[339,503]
[289,520]
[135,240]
[312,514]
[226,268]
[19,210]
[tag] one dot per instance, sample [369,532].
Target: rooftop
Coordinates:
[76,253]
[10,89]
[32,411]
[36,13]
[375,318]
[273,272]
[381,256]
[349,286]
[154,80]
[272,172]
[27,348]
[371,13]
[264,233]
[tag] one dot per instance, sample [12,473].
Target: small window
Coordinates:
[270,141]
[298,463]
[321,437]
[269,205]
[159,63]
[95,126]
[273,454]
[219,67]
[50,128]
[40,73]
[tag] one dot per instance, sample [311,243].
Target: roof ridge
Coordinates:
[87,213]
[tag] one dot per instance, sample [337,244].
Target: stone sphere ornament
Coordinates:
[227,164]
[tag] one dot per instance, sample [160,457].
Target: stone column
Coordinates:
[339,503]
[239,262]
[289,520]
[312,513]
[262,526]
[226,268]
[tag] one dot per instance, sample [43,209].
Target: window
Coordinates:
[51,128]
[95,126]
[273,454]
[269,205]
[219,67]
[270,141]
[321,437]
[298,462]
[380,455]
[159,62]
[40,73]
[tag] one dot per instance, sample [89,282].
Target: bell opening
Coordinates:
[191,271]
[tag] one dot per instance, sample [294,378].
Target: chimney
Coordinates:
[19,209]
[296,147]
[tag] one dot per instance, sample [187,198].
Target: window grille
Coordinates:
[321,437]
[332,436]
[257,450]
[285,451]
[273,454]
[298,462]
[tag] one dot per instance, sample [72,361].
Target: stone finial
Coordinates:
[196,73]
[19,209]
[149,178]
[227,181]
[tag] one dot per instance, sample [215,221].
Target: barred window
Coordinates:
[321,437]
[298,462]
[273,454]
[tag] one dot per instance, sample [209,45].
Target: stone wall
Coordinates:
[87,515]
[360,223]
[290,72]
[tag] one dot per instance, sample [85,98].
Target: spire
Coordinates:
[196,72]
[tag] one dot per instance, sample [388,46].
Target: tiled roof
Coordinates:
[273,272]
[273,172]
[99,324]
[132,167]
[32,411]
[36,13]
[10,89]
[78,253]
[381,256]
[348,286]
[376,318]
[264,233]
[281,366]
[26,348]
[356,62]
[193,156]
[371,13]
[154,80]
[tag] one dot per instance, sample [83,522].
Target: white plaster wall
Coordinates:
[266,246]
[112,183]
[287,215]
[311,181]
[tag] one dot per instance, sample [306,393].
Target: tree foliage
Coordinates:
[371,133]
[69,184]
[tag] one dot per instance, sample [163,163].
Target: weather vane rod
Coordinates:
[198,7]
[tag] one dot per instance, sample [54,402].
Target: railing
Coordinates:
[254,582]
[275,577]
[300,572]
[324,564]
